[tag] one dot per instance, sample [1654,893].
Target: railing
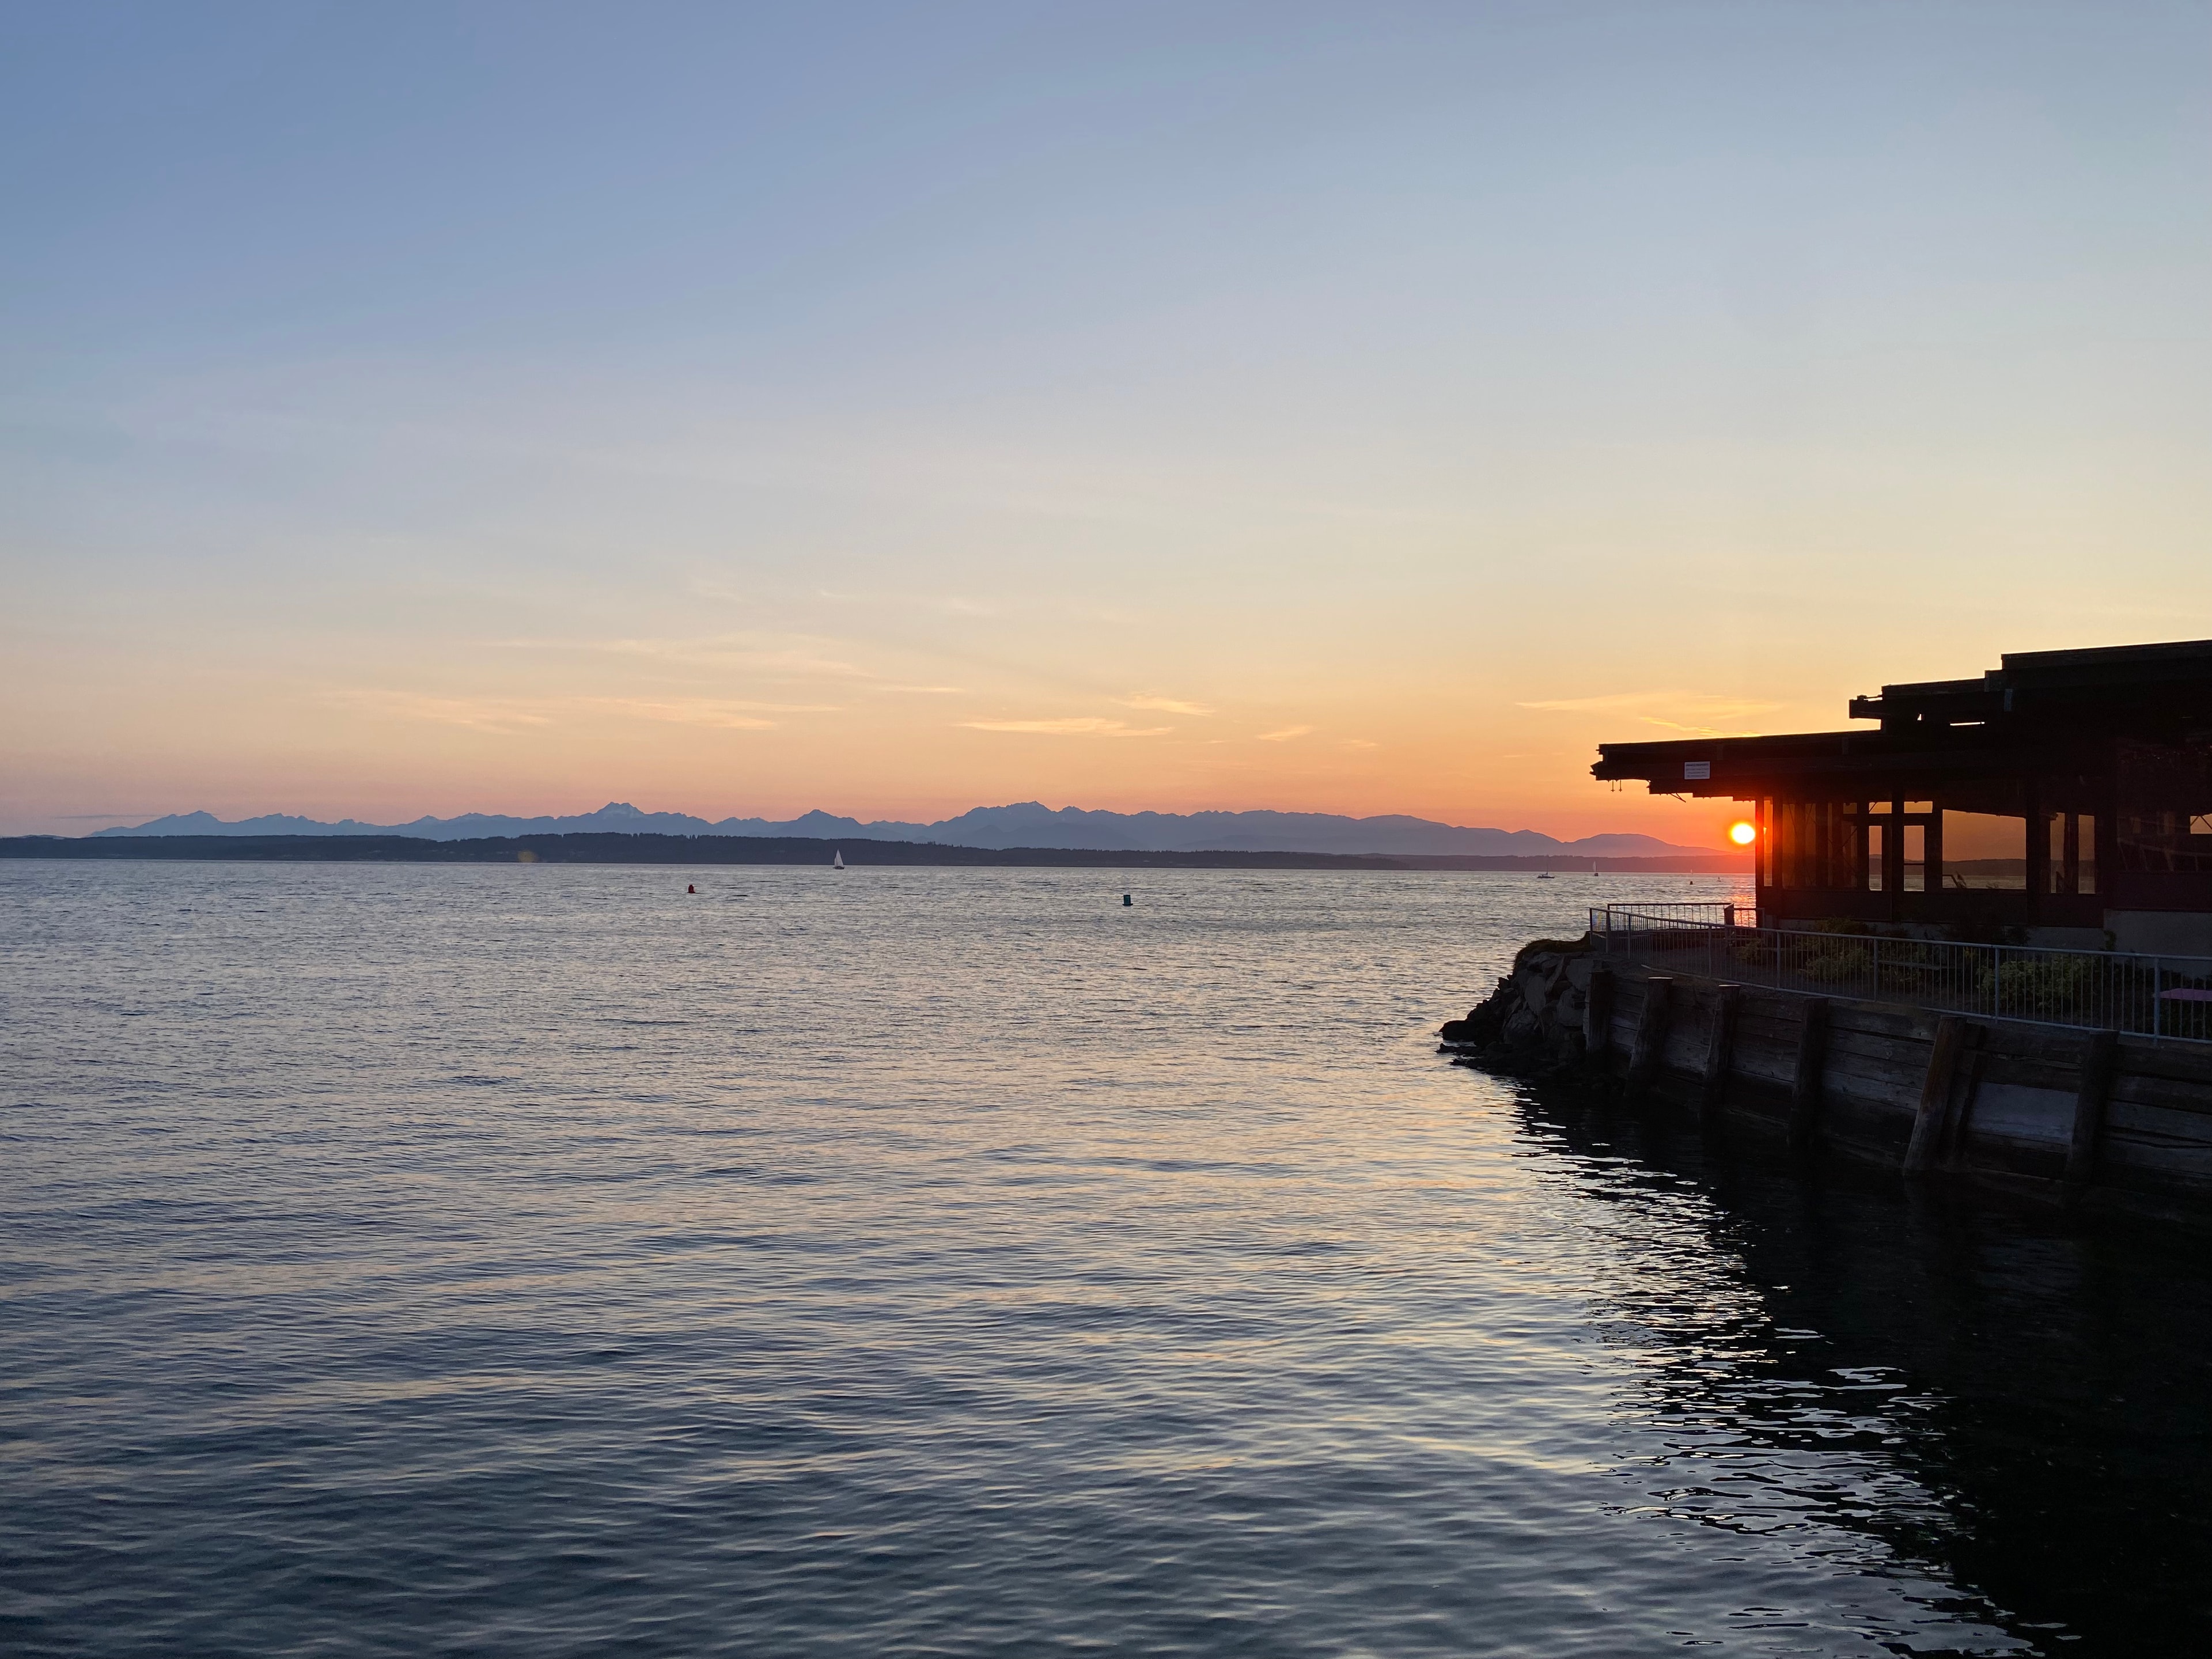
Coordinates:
[1724,912]
[2166,997]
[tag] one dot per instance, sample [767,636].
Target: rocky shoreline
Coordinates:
[1531,1025]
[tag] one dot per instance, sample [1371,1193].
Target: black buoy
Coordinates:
[1126,899]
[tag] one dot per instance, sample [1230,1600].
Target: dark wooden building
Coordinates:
[2068,793]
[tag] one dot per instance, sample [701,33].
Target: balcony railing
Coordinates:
[2163,997]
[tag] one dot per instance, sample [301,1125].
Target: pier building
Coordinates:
[2064,798]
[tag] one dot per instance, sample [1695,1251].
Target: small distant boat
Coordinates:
[837,860]
[1543,875]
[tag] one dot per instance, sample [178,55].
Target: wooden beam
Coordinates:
[1598,1014]
[1650,1035]
[2098,1052]
[1720,1051]
[1935,1095]
[1804,1087]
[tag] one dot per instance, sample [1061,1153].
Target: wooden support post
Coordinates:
[1650,1035]
[1720,1051]
[2098,1055]
[1935,1095]
[1958,1125]
[1598,1014]
[1805,1087]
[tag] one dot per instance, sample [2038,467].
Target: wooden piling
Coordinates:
[1650,1036]
[2028,1106]
[1959,1123]
[1935,1095]
[2098,1052]
[1804,1087]
[1720,1049]
[1598,1014]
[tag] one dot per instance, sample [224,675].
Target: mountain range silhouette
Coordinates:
[1025,823]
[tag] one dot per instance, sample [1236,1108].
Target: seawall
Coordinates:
[2073,1117]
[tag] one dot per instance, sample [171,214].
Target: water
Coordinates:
[537,1260]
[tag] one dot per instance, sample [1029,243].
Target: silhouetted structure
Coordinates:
[2066,792]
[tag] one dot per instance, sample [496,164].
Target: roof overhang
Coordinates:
[1867,764]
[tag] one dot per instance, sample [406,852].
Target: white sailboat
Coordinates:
[837,860]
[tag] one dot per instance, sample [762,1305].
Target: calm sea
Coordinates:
[538,1260]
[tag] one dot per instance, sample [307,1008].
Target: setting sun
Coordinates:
[1742,833]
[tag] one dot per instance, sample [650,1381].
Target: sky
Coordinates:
[740,410]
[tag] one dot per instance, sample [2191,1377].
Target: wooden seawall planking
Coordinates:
[2075,1116]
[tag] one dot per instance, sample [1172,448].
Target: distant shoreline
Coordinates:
[606,848]
[1026,825]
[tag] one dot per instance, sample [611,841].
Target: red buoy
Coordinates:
[688,888]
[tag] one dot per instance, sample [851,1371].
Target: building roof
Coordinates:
[2052,681]
[2050,711]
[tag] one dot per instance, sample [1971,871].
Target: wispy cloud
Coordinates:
[1694,730]
[508,715]
[1729,712]
[725,703]
[788,657]
[943,605]
[1286,734]
[682,715]
[1162,705]
[502,715]
[734,716]
[1082,727]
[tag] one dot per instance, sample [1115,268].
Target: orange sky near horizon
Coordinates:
[407,414]
[589,725]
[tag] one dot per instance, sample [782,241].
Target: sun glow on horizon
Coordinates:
[1742,833]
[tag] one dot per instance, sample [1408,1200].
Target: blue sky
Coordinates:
[414,408]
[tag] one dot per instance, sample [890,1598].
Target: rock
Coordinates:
[1531,1025]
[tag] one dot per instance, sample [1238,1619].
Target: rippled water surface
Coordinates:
[539,1261]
